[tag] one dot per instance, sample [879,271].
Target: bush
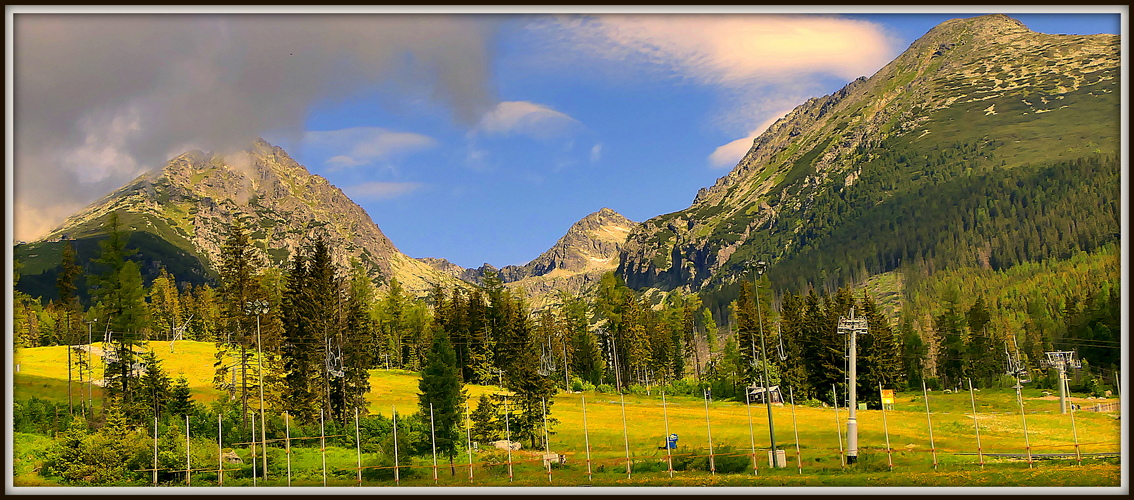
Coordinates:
[650,466]
[384,468]
[636,389]
[732,461]
[605,388]
[495,461]
[578,384]
[686,386]
[105,457]
[933,383]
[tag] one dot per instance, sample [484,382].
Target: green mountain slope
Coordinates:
[179,217]
[983,144]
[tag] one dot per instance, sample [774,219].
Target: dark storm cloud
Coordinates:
[102,98]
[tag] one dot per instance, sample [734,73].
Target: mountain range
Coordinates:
[939,159]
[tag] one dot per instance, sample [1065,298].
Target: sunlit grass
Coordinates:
[43,374]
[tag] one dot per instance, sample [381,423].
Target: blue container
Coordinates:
[671,442]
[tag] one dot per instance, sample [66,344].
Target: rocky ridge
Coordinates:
[590,248]
[960,66]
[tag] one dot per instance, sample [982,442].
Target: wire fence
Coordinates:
[491,465]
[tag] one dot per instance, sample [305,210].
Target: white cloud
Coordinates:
[365,145]
[757,64]
[377,191]
[596,153]
[729,50]
[526,118]
[729,154]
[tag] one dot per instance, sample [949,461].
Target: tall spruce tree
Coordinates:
[441,387]
[71,310]
[586,358]
[239,287]
[118,291]
[302,365]
[358,352]
[321,298]
[880,355]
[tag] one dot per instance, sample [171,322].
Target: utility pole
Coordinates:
[852,326]
[761,266]
[259,307]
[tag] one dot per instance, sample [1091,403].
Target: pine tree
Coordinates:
[154,391]
[949,338]
[396,348]
[914,352]
[440,386]
[880,355]
[69,305]
[302,365]
[980,349]
[711,330]
[239,287]
[747,334]
[486,422]
[793,370]
[586,357]
[120,294]
[180,399]
[165,305]
[358,352]
[321,298]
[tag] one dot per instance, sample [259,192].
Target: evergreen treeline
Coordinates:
[949,207]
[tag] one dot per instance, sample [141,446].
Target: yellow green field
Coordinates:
[42,373]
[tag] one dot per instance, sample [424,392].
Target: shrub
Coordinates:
[578,384]
[605,388]
[636,389]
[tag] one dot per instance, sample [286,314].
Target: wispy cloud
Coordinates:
[596,153]
[759,64]
[730,50]
[378,191]
[729,154]
[364,145]
[525,118]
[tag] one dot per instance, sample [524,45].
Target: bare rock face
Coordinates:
[196,197]
[944,82]
[590,248]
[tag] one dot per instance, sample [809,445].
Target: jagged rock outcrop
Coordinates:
[590,248]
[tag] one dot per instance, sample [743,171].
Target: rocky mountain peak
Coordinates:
[197,196]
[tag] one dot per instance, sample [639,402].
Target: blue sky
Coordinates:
[477,139]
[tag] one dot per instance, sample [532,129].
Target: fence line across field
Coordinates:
[628,460]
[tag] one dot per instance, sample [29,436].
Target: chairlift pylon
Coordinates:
[179,332]
[782,353]
[334,360]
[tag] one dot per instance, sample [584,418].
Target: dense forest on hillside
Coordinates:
[949,208]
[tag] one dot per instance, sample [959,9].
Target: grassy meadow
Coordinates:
[42,373]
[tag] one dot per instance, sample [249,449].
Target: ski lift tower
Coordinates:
[1061,360]
[760,267]
[853,326]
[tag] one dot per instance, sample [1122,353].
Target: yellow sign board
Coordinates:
[887,396]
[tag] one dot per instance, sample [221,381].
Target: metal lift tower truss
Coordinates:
[853,326]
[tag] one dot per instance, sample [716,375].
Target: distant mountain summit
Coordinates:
[186,208]
[590,248]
